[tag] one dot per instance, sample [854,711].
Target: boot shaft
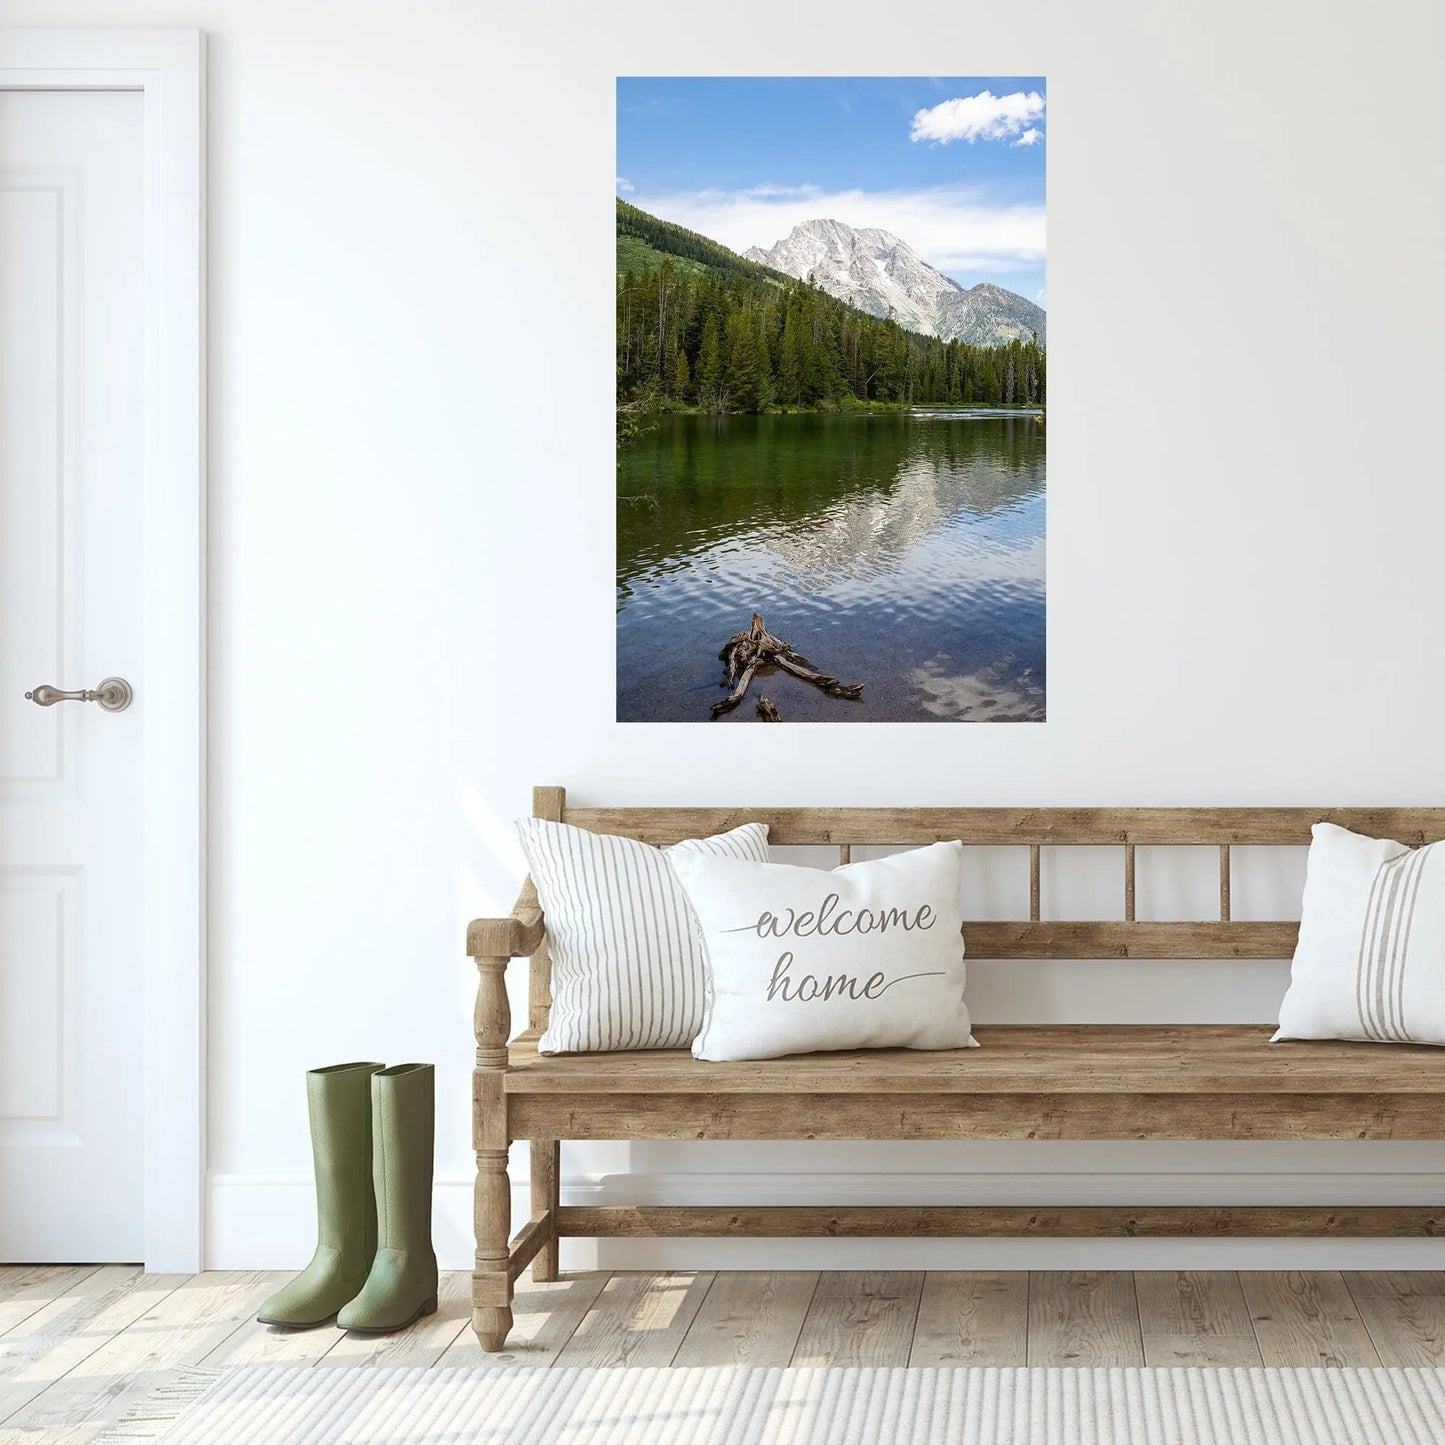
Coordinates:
[403,1127]
[338,1100]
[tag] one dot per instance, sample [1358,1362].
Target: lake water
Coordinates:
[901,550]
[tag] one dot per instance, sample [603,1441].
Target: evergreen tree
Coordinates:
[743,364]
[790,361]
[711,391]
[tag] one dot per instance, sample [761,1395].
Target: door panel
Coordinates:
[71,786]
[37,910]
[37,224]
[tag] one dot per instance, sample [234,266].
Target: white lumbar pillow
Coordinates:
[627,967]
[1370,961]
[805,959]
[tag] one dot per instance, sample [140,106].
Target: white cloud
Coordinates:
[952,228]
[624,185]
[1031,137]
[984,116]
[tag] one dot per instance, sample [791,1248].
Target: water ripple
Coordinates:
[914,563]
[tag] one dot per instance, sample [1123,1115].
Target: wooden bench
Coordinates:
[1026,1082]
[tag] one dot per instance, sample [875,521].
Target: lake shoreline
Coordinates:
[856,408]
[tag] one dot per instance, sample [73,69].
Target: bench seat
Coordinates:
[1085,1081]
[1012,1059]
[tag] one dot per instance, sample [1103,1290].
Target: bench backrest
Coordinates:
[1034,829]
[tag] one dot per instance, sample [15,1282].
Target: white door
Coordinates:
[72,355]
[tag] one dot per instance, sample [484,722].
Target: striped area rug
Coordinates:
[756,1406]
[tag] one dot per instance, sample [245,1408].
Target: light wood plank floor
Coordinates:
[81,1346]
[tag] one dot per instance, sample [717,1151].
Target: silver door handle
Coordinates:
[113,694]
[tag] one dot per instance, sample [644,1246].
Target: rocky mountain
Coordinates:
[987,314]
[882,275]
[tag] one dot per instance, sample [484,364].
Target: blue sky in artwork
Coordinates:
[955,166]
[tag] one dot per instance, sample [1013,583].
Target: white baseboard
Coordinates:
[255,1222]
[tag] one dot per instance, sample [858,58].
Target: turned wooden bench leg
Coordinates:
[492,1206]
[491,1279]
[546,1161]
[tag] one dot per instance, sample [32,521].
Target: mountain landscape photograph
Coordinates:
[831,389]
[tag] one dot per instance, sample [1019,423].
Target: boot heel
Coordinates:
[429,1307]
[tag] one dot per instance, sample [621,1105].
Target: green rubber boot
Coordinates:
[338,1100]
[402,1285]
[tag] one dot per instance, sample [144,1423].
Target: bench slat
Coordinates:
[1240,827]
[1089,941]
[1113,1115]
[964,1221]
[1189,1059]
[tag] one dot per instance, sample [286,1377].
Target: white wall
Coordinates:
[412,518]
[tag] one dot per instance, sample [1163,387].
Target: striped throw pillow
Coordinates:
[628,966]
[1370,961]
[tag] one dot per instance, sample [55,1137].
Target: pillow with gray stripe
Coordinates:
[1370,962]
[628,966]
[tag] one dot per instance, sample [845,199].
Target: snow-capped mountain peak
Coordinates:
[883,275]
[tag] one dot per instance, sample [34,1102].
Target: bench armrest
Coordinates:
[518,935]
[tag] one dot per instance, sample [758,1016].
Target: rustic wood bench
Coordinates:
[1027,1082]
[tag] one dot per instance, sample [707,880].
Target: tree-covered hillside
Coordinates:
[637,229]
[703,326]
[635,256]
[695,340]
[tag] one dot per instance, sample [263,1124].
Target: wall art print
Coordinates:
[831,390]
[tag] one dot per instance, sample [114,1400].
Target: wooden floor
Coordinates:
[80,1347]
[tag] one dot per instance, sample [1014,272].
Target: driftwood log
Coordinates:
[746,652]
[767,712]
